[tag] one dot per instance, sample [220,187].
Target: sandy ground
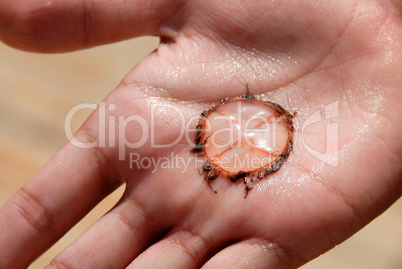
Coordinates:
[38,90]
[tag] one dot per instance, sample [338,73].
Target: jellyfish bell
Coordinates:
[243,138]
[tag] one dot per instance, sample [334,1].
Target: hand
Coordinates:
[302,55]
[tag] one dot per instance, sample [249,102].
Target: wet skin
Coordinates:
[336,62]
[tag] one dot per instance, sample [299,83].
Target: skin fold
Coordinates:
[340,58]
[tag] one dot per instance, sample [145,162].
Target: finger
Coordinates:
[143,215]
[113,241]
[64,25]
[252,253]
[180,249]
[51,202]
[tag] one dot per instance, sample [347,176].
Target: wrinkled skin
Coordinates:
[303,55]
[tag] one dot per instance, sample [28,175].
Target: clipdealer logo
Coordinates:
[112,134]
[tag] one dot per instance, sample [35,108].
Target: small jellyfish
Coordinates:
[243,138]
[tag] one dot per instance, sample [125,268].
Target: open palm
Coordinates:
[338,64]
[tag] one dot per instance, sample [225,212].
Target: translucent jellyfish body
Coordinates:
[243,138]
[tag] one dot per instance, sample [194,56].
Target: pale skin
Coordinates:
[303,55]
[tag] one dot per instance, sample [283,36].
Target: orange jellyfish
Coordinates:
[243,138]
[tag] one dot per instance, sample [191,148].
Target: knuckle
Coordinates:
[59,264]
[193,250]
[33,212]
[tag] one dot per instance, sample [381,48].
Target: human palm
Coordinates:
[343,59]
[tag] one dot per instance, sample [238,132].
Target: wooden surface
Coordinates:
[38,90]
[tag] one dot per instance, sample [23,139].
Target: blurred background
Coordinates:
[38,90]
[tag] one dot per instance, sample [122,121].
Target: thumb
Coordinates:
[65,25]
